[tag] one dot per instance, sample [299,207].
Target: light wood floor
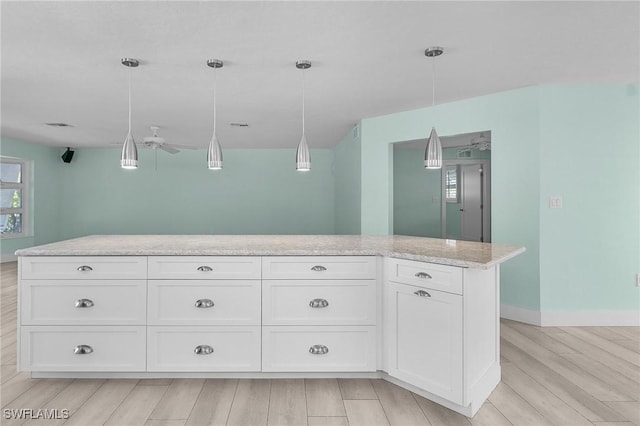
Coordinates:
[550,376]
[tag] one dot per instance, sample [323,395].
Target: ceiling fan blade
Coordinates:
[184,146]
[169,149]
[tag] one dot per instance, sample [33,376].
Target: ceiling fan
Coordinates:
[156,142]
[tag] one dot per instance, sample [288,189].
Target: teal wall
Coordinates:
[590,146]
[580,142]
[347,190]
[45,212]
[512,118]
[416,195]
[257,192]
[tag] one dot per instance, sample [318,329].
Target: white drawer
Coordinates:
[314,302]
[319,267]
[204,267]
[83,267]
[204,302]
[83,302]
[288,348]
[112,348]
[427,275]
[235,348]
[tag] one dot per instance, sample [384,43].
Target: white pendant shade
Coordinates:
[303,159]
[214,154]
[129,157]
[433,153]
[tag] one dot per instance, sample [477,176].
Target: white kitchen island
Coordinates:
[422,313]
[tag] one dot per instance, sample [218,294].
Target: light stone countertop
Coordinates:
[447,252]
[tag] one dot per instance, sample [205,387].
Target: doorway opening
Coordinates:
[453,202]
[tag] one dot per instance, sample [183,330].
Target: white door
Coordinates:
[472,202]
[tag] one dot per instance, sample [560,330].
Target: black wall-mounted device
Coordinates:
[67,156]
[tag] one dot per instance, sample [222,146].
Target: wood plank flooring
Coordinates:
[561,376]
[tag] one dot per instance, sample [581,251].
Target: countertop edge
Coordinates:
[28,252]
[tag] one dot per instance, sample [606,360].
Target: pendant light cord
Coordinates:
[303,70]
[129,100]
[215,75]
[433,81]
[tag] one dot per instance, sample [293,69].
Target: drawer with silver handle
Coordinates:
[317,348]
[427,275]
[83,267]
[203,348]
[318,267]
[204,267]
[204,302]
[83,348]
[312,302]
[83,302]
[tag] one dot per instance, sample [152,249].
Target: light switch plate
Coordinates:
[555,202]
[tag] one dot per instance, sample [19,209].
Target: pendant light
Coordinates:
[129,157]
[214,153]
[303,159]
[433,153]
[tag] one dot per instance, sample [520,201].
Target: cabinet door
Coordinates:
[424,338]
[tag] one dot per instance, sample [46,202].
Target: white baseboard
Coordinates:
[590,318]
[520,314]
[9,257]
[570,318]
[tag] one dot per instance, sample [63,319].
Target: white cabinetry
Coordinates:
[430,328]
[82,313]
[204,313]
[319,313]
[441,331]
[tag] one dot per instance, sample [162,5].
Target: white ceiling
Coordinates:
[61,63]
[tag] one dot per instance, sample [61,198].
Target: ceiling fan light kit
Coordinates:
[129,155]
[433,151]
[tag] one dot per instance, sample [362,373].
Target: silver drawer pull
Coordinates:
[84,268]
[203,350]
[318,268]
[423,275]
[318,350]
[205,268]
[319,303]
[421,293]
[84,303]
[83,350]
[204,303]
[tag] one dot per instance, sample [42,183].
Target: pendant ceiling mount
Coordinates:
[303,64]
[130,62]
[215,63]
[433,51]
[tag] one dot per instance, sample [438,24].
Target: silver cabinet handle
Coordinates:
[421,293]
[203,350]
[82,350]
[204,303]
[205,268]
[318,268]
[319,303]
[84,268]
[84,303]
[318,350]
[423,275]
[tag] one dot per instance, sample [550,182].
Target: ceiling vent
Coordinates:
[239,124]
[58,124]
